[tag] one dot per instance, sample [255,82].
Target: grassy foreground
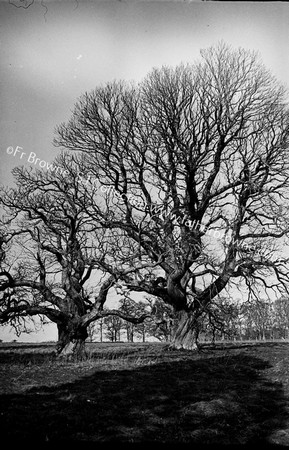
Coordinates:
[141,393]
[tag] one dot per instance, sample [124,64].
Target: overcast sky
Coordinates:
[49,57]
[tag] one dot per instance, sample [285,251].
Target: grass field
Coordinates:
[142,393]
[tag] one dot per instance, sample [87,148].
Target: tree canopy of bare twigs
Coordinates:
[52,253]
[188,152]
[207,144]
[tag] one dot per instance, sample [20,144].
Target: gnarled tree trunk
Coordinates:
[71,341]
[185,332]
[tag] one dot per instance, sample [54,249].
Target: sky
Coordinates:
[52,52]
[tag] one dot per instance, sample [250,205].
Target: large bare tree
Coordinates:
[207,143]
[50,254]
[164,165]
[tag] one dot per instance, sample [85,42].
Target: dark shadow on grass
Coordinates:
[213,400]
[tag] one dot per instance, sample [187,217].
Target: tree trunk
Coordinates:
[71,342]
[101,325]
[263,335]
[185,332]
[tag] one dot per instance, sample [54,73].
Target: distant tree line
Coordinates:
[251,320]
[115,329]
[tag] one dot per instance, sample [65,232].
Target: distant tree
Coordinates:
[142,329]
[258,319]
[205,146]
[221,319]
[162,321]
[281,316]
[95,331]
[128,306]
[113,325]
